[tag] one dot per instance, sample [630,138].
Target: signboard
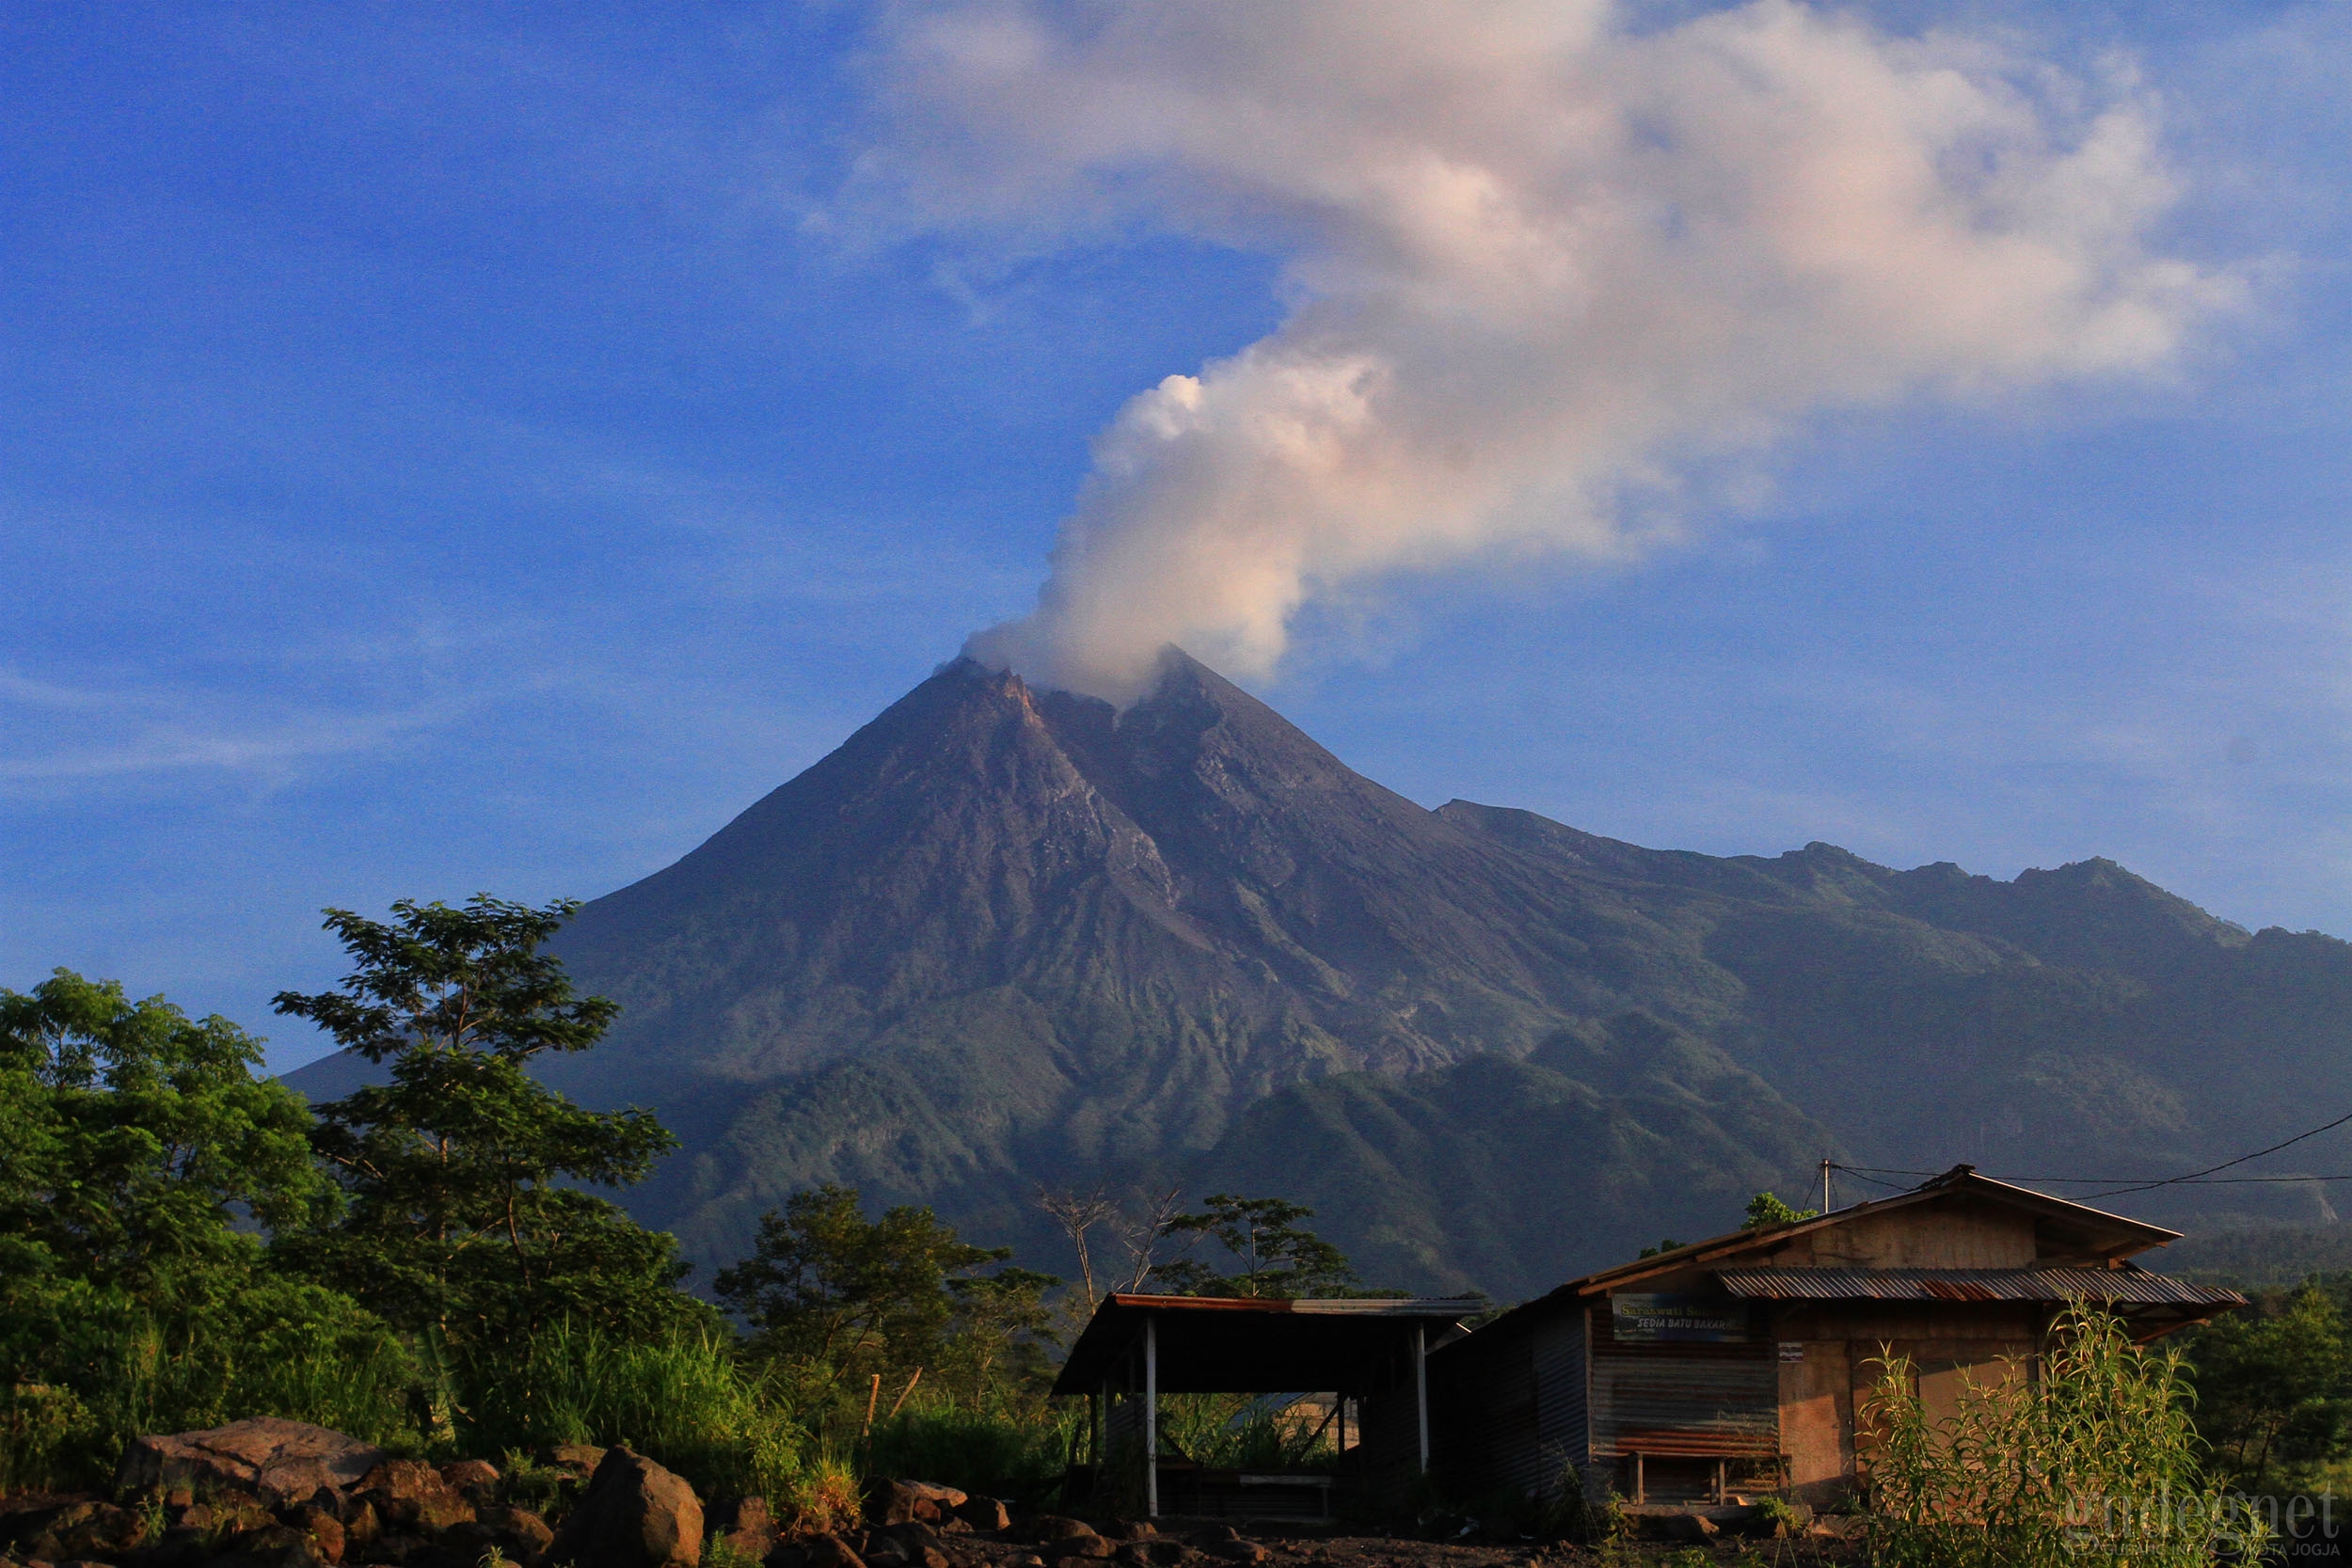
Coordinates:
[1677,1319]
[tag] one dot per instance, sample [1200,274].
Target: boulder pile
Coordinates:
[276,1493]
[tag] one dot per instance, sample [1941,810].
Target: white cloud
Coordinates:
[1545,268]
[132,731]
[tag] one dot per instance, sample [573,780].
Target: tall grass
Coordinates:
[1000,1445]
[1241,1432]
[2088,1459]
[114,1371]
[683,1400]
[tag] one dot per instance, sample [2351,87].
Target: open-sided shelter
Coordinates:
[1368,1352]
[1736,1363]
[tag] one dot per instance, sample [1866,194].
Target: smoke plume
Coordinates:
[1540,263]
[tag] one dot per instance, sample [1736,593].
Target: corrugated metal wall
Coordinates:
[1386,1457]
[1698,1400]
[1482,1414]
[1563,1419]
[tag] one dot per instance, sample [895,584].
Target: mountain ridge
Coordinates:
[1005,937]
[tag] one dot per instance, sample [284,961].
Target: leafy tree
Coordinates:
[2274,1386]
[137,1148]
[1277,1257]
[1000,1327]
[463,1212]
[840,1296]
[1767,1209]
[132,1136]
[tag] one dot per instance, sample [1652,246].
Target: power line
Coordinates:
[2098,1180]
[2201,1175]
[2204,1178]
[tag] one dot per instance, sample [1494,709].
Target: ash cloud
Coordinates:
[1541,266]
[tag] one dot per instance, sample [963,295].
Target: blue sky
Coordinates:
[485,448]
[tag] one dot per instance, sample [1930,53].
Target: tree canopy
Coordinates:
[1272,1254]
[131,1138]
[841,1296]
[464,1176]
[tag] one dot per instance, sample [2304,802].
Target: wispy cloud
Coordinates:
[94,732]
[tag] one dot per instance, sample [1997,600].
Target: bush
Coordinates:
[2093,1461]
[111,1370]
[996,1448]
[682,1398]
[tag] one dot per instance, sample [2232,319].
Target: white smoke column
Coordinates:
[1539,261]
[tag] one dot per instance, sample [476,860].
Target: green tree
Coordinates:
[464,1175]
[1000,1328]
[1767,1209]
[1275,1254]
[139,1150]
[132,1136]
[839,1297]
[2274,1385]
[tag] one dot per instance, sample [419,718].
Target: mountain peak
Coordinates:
[1008,935]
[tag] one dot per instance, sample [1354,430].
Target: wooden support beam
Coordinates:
[1421,1390]
[1150,1415]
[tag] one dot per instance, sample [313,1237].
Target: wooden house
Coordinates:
[1734,1365]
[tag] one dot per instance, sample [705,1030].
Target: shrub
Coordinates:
[681,1399]
[112,1369]
[2093,1461]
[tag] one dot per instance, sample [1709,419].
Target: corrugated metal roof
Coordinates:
[1253,1344]
[2132,1285]
[1446,1309]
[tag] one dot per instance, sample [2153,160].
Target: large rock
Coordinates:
[746,1526]
[283,1463]
[576,1460]
[75,1529]
[409,1495]
[898,1502]
[634,1514]
[272,1546]
[986,1514]
[519,1534]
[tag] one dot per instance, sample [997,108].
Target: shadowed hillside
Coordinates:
[1005,936]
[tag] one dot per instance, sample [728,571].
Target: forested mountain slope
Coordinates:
[1007,936]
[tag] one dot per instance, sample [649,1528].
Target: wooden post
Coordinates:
[1723,1481]
[1637,1477]
[1421,1390]
[1150,1415]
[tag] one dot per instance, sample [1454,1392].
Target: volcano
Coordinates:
[1007,937]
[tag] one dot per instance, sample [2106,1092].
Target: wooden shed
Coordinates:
[1733,1365]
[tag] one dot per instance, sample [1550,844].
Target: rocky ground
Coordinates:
[271,1494]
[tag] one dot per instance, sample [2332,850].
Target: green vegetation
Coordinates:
[463,1217]
[423,1262]
[137,1148]
[1275,1254]
[2092,1460]
[2274,1388]
[1768,1209]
